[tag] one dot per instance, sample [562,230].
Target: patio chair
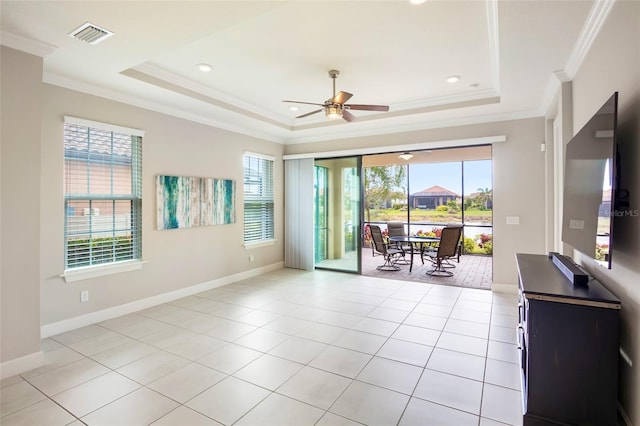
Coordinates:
[447,263]
[367,237]
[391,254]
[447,249]
[396,229]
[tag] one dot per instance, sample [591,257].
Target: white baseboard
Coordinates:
[116,311]
[504,288]
[22,364]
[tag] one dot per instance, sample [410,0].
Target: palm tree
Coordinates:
[485,198]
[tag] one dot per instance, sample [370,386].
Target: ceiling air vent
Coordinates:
[90,33]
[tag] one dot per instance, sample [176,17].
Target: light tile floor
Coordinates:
[286,348]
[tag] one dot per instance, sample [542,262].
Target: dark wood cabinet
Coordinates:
[568,342]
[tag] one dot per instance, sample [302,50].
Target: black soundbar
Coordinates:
[573,272]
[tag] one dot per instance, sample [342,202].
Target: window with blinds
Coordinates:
[258,198]
[102,194]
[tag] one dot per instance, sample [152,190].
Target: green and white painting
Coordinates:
[184,202]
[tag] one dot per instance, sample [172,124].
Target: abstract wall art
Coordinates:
[184,202]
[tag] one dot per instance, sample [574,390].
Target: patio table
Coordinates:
[421,241]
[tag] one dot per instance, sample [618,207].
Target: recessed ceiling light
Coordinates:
[293,108]
[204,67]
[453,79]
[417,1]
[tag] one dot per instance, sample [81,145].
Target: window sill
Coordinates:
[87,272]
[250,246]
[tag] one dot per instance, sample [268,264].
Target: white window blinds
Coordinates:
[258,198]
[103,193]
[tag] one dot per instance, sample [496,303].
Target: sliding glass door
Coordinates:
[321,205]
[337,212]
[428,189]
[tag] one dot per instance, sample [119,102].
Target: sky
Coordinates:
[477,174]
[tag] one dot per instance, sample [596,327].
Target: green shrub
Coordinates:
[488,247]
[469,244]
[84,252]
[442,209]
[454,207]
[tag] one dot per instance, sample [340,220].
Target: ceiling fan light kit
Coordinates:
[406,156]
[335,107]
[333,111]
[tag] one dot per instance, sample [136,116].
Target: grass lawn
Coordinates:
[430,216]
[471,244]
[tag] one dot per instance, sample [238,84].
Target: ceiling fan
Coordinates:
[336,107]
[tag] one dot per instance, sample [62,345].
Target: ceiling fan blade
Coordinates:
[348,116]
[310,113]
[341,97]
[306,103]
[368,107]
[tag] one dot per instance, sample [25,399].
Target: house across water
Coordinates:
[433,197]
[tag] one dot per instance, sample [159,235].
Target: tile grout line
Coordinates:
[284,299]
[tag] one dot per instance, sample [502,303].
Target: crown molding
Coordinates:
[597,15]
[201,92]
[160,77]
[430,103]
[148,72]
[278,135]
[27,45]
[113,95]
[494,43]
[352,132]
[551,91]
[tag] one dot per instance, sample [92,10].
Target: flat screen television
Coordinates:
[591,184]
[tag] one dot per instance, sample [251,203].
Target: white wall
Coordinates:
[176,258]
[518,182]
[20,206]
[613,64]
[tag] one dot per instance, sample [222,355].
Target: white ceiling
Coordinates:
[262,52]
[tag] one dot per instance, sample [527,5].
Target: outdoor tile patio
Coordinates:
[473,271]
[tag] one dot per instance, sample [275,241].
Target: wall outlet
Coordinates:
[84,296]
[251,258]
